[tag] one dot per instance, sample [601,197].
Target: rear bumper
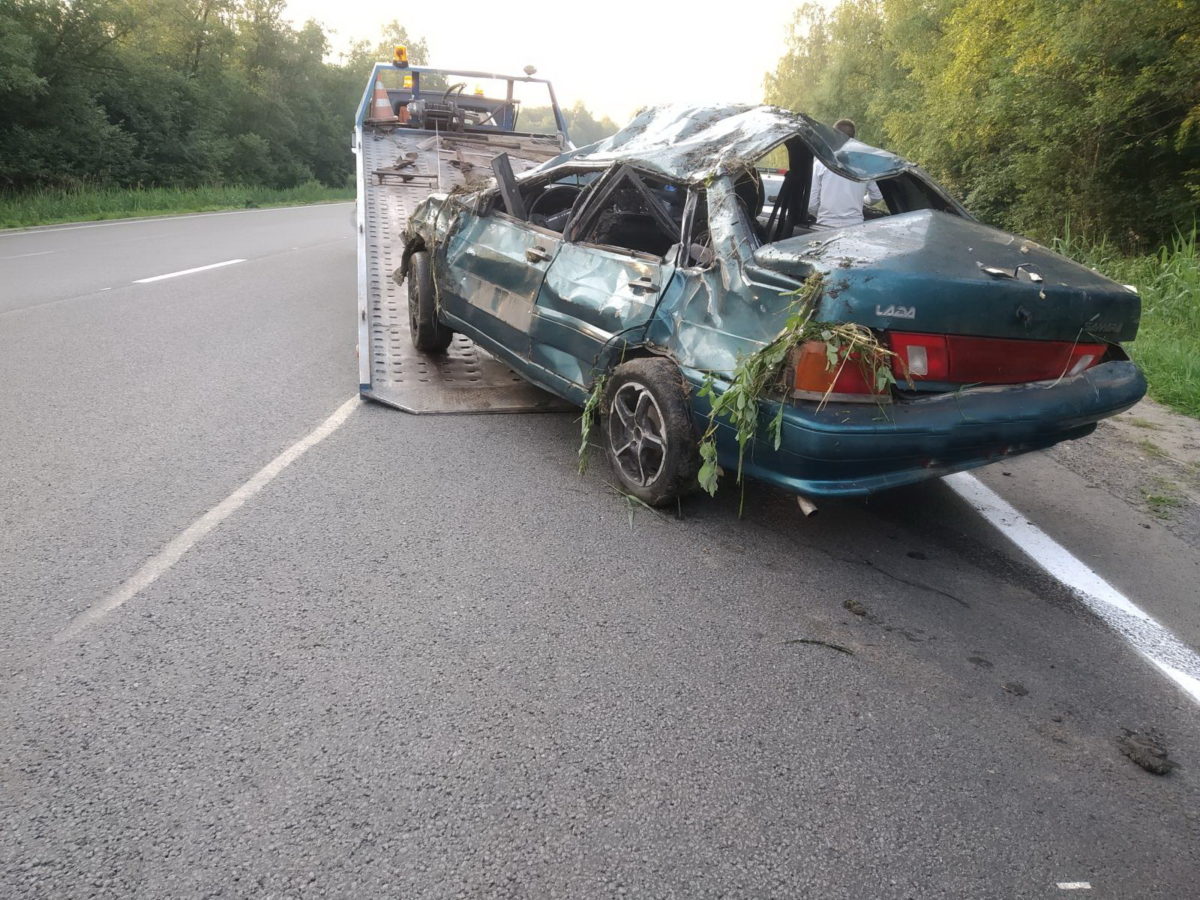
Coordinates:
[854,449]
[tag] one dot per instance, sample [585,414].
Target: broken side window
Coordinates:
[550,204]
[696,240]
[631,212]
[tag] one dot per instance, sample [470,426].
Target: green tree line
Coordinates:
[1036,113]
[179,93]
[583,127]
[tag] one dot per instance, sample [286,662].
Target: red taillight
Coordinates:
[974,360]
[844,380]
[996,361]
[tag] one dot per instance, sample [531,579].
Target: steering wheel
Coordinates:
[459,87]
[564,195]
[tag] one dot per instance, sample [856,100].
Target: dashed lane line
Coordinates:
[162,561]
[1154,642]
[27,255]
[218,265]
[61,300]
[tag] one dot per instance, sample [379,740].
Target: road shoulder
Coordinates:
[1126,501]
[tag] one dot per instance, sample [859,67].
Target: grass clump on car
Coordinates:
[760,376]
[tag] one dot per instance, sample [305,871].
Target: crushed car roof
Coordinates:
[692,144]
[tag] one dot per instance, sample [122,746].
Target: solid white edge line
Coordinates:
[1188,682]
[1154,642]
[228,262]
[162,561]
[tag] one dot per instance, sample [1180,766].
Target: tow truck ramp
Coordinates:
[397,169]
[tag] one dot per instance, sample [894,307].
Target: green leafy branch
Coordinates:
[591,412]
[761,374]
[848,342]
[754,376]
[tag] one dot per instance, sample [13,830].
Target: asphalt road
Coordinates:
[428,659]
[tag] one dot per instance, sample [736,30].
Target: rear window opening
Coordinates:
[785,210]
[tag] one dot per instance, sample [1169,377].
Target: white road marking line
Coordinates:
[228,262]
[1074,885]
[45,304]
[162,561]
[27,255]
[1158,645]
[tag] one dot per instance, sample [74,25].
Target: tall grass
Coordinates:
[1168,342]
[89,203]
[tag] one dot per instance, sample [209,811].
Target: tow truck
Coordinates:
[421,130]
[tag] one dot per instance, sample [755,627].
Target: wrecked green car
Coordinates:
[645,273]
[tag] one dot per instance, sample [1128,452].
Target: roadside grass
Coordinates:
[1168,342]
[84,204]
[1164,504]
[1139,422]
[1152,449]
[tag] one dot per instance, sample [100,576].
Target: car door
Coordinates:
[495,265]
[606,278]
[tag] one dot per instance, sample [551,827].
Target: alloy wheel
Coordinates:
[636,434]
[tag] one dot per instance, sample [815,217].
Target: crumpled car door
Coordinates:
[495,265]
[607,277]
[591,294]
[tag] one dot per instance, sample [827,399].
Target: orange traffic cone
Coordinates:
[381,107]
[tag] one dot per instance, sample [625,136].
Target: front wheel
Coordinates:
[649,439]
[428,334]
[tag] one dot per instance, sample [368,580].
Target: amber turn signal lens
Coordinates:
[844,381]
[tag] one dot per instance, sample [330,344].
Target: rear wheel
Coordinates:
[648,433]
[428,334]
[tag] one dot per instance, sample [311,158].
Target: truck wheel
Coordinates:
[428,334]
[648,433]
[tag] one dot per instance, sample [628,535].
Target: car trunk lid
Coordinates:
[936,273]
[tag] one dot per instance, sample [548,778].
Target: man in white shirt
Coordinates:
[835,201]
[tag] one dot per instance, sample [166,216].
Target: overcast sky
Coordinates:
[615,55]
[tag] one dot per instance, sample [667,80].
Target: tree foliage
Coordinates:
[1034,111]
[583,127]
[168,92]
[178,93]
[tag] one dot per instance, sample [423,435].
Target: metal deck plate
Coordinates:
[465,379]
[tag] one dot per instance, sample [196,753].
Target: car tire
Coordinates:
[649,437]
[428,334]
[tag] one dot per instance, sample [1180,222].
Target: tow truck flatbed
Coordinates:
[400,161]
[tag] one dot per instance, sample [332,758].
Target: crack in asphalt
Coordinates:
[916,584]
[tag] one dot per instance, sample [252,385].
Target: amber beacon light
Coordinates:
[400,57]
